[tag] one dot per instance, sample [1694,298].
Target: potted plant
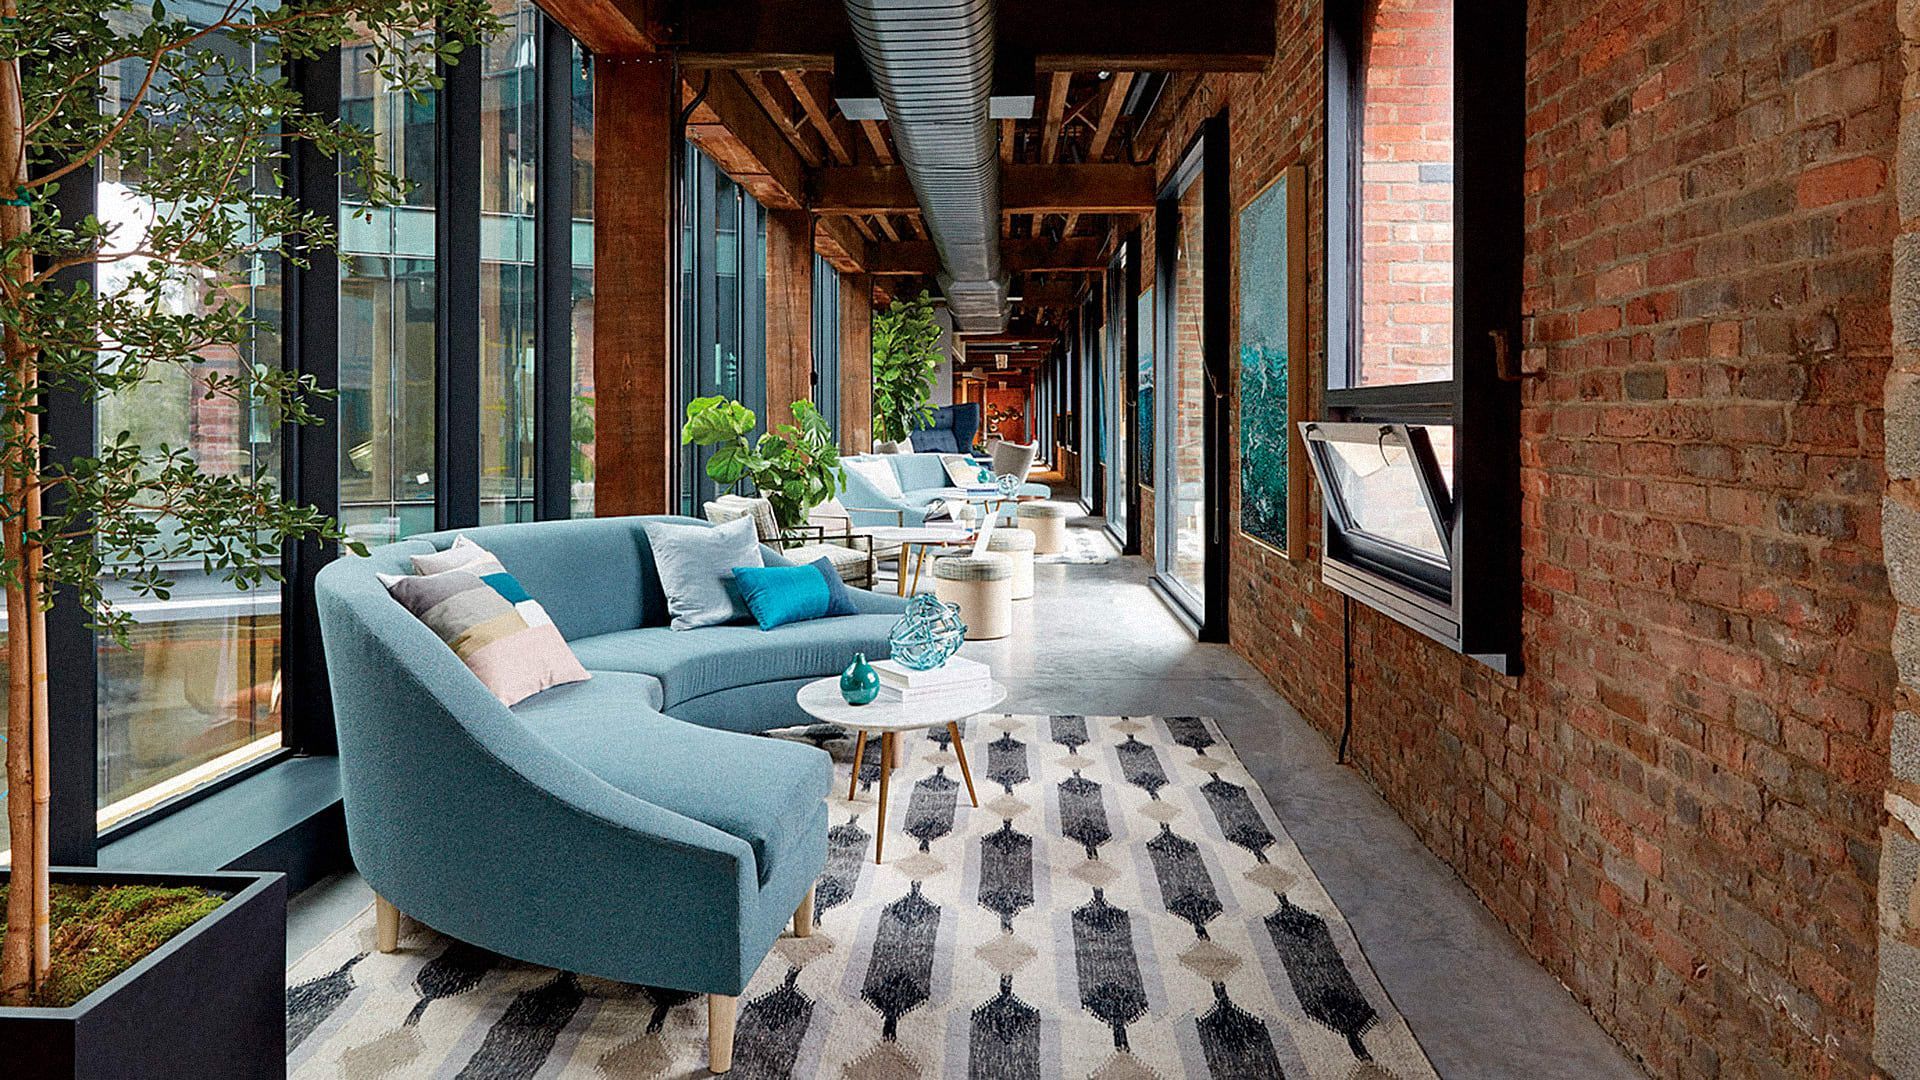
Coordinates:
[112,973]
[796,466]
[906,356]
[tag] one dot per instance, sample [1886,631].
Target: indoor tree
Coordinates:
[200,125]
[906,356]
[795,466]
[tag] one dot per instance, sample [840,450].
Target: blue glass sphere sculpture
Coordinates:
[1008,484]
[928,633]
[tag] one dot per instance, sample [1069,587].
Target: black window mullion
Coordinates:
[310,461]
[553,270]
[72,702]
[456,500]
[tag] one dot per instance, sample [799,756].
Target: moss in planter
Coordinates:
[100,931]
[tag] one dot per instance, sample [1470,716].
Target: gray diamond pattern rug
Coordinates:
[1122,905]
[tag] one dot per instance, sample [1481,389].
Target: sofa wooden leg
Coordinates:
[803,916]
[721,1010]
[386,925]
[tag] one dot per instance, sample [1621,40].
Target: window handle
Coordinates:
[1504,364]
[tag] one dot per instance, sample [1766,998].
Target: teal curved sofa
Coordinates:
[629,826]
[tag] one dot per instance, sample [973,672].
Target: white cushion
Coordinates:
[879,474]
[963,471]
[696,565]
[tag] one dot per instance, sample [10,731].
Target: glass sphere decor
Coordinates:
[928,633]
[859,684]
[1008,484]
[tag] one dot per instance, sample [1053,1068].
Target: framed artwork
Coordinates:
[1143,401]
[1273,331]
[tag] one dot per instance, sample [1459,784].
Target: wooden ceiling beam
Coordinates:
[1024,189]
[840,243]
[810,89]
[614,29]
[737,133]
[1056,115]
[877,139]
[804,142]
[1061,35]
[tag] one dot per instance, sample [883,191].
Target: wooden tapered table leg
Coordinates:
[959,751]
[859,751]
[904,549]
[886,769]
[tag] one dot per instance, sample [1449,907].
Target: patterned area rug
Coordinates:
[1084,548]
[1121,906]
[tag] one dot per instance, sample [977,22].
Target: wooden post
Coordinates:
[856,363]
[789,312]
[633,312]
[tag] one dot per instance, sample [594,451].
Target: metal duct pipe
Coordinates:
[932,65]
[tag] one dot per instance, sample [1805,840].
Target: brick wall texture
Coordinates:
[1677,808]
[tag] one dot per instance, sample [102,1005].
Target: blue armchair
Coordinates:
[951,432]
[614,827]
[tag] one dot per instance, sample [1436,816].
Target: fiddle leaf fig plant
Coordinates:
[795,466]
[906,358]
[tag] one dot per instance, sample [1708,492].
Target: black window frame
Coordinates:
[1205,161]
[1477,609]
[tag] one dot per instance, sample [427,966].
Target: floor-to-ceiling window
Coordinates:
[723,291]
[1182,507]
[580,495]
[388,301]
[194,689]
[1119,409]
[509,323]
[826,341]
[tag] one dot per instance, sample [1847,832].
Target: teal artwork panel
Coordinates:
[1143,402]
[1263,366]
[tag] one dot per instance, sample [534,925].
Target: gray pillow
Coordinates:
[696,569]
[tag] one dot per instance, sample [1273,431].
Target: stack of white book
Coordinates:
[958,677]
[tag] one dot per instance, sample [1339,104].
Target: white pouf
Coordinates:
[982,586]
[1047,521]
[1016,544]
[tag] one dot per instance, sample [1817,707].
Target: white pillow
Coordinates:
[879,474]
[963,471]
[696,564]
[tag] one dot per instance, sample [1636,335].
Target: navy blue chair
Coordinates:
[952,431]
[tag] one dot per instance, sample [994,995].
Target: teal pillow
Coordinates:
[839,597]
[778,595]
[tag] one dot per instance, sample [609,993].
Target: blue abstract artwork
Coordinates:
[1143,402]
[1264,322]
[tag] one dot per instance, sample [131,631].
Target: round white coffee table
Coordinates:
[821,699]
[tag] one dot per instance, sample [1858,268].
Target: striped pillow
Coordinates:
[503,636]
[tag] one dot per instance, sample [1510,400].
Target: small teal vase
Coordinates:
[859,684]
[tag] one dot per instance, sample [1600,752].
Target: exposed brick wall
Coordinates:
[1406,194]
[1897,991]
[1677,807]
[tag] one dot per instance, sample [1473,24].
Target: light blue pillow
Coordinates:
[839,597]
[696,569]
[778,595]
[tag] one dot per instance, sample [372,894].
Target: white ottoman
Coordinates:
[1047,521]
[1016,544]
[982,586]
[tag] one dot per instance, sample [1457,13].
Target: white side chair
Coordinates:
[982,586]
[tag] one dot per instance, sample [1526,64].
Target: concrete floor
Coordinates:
[1095,640]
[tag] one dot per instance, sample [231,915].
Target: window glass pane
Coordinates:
[1406,195]
[509,156]
[194,691]
[1118,408]
[387,304]
[1187,449]
[1380,488]
[582,285]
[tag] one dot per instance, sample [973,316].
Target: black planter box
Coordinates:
[210,1004]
